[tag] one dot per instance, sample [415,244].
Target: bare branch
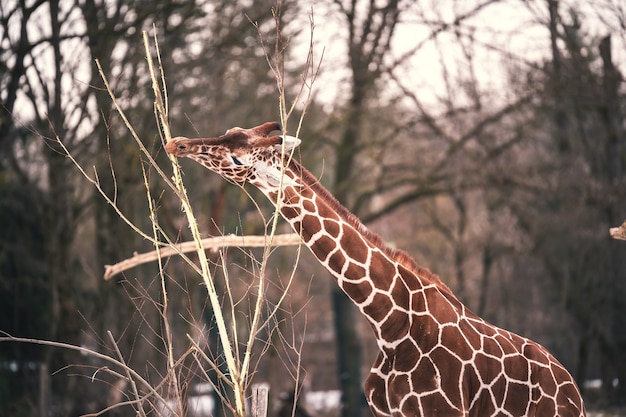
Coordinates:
[211,243]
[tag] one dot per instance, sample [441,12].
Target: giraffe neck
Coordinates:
[376,277]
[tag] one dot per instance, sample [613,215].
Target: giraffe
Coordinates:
[436,357]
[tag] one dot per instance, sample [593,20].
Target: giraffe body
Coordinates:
[436,357]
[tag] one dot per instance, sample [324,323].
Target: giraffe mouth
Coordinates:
[177,147]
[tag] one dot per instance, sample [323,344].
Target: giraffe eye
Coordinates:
[236,161]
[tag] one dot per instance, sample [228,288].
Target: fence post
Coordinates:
[259,400]
[44,389]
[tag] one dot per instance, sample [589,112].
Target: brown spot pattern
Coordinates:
[378,308]
[380,262]
[336,261]
[322,246]
[438,405]
[356,245]
[451,336]
[308,205]
[394,326]
[311,226]
[358,292]
[406,349]
[332,228]
[517,399]
[354,272]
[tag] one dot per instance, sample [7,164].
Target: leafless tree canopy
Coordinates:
[485,138]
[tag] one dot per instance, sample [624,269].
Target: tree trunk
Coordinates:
[61,223]
[560,117]
[611,117]
[367,47]
[349,354]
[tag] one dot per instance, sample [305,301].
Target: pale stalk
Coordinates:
[231,302]
[277,69]
[240,383]
[258,306]
[235,374]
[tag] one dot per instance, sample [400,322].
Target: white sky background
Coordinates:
[509,32]
[75,71]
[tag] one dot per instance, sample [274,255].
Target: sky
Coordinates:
[508,34]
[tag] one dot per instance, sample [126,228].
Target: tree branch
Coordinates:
[212,243]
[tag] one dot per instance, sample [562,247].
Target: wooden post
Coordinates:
[259,400]
[44,389]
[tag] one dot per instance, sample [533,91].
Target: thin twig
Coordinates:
[133,385]
[136,376]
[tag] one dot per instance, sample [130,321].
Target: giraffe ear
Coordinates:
[290,142]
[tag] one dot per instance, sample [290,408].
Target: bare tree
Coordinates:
[48,80]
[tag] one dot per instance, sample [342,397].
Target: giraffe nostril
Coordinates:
[172,147]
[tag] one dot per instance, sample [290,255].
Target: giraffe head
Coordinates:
[254,155]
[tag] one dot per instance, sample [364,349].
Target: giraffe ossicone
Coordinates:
[436,357]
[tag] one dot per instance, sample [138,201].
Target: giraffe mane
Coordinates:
[375,239]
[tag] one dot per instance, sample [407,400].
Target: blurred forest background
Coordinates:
[485,137]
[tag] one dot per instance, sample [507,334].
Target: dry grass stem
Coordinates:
[229,355]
